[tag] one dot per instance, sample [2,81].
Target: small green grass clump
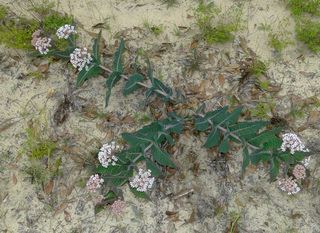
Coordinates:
[299,7]
[55,20]
[36,146]
[309,33]
[277,42]
[216,27]
[17,34]
[3,12]
[154,29]
[258,68]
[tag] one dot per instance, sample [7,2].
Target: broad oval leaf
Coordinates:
[213,138]
[162,157]
[155,171]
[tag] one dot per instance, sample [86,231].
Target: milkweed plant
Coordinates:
[143,159]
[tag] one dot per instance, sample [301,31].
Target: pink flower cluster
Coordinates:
[118,207]
[107,155]
[292,142]
[80,58]
[94,183]
[299,172]
[143,181]
[65,31]
[289,185]
[42,44]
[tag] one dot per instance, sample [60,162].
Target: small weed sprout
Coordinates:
[156,30]
[217,27]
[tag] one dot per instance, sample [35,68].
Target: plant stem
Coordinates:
[139,83]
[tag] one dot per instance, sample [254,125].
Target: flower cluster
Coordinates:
[289,185]
[42,44]
[80,58]
[306,161]
[107,152]
[143,181]
[94,183]
[292,142]
[299,172]
[65,31]
[118,207]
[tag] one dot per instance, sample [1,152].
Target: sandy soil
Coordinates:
[220,196]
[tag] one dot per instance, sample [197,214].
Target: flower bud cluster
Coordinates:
[94,183]
[118,207]
[299,172]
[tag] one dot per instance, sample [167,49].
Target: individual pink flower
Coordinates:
[299,171]
[118,207]
[289,185]
[94,183]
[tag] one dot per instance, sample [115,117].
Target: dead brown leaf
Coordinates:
[221,80]
[67,216]
[43,67]
[48,187]
[14,179]
[173,215]
[192,217]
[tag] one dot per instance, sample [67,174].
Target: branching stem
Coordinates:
[139,83]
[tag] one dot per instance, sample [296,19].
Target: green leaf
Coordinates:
[113,78]
[274,168]
[173,123]
[203,123]
[160,86]
[155,171]
[122,178]
[60,54]
[84,74]
[224,146]
[111,170]
[213,138]
[230,118]
[139,194]
[150,70]
[96,48]
[161,157]
[245,159]
[247,130]
[110,196]
[134,139]
[260,156]
[132,83]
[263,137]
[117,63]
